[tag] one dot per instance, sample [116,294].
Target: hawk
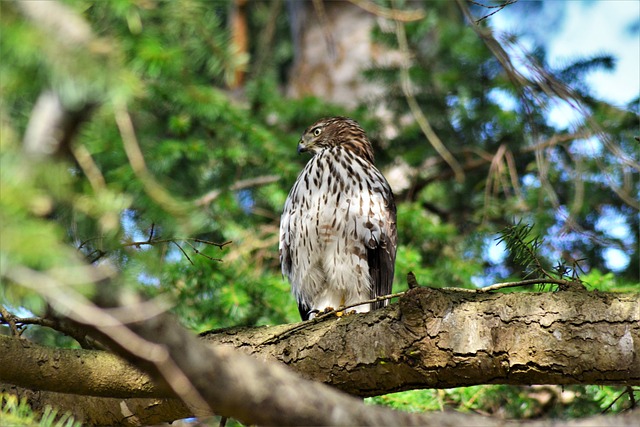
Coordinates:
[338,235]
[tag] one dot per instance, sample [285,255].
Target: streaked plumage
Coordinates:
[338,228]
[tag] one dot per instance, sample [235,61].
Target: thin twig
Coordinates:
[492,181]
[39,321]
[499,7]
[486,6]
[556,139]
[421,119]
[130,141]
[613,403]
[183,252]
[505,285]
[99,254]
[395,14]
[84,242]
[513,174]
[149,242]
[136,159]
[201,254]
[324,315]
[219,245]
[411,280]
[10,319]
[345,308]
[89,167]
[64,328]
[152,242]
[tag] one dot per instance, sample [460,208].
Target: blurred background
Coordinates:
[160,136]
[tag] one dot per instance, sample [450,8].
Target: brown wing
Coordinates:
[382,258]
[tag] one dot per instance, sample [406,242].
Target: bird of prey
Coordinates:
[338,235]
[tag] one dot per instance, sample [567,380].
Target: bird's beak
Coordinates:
[302,147]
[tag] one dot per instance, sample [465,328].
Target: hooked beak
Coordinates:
[302,145]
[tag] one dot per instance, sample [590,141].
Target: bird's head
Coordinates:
[333,132]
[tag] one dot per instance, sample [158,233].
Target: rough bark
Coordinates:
[84,372]
[229,383]
[430,339]
[442,339]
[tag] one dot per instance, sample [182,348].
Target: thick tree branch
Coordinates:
[265,393]
[438,339]
[434,339]
[430,339]
[87,372]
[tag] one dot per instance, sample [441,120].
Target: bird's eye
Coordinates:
[317,131]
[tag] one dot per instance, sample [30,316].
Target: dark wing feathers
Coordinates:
[304,310]
[382,258]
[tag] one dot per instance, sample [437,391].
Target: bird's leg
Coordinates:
[339,312]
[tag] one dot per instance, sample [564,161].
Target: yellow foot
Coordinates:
[341,313]
[330,309]
[338,312]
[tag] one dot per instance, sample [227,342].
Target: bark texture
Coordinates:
[85,372]
[442,339]
[431,338]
